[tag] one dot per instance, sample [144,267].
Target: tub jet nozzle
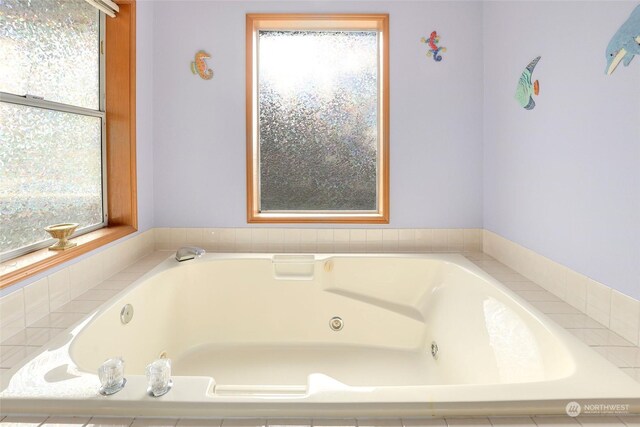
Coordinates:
[336,323]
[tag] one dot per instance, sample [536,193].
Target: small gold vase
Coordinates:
[62,232]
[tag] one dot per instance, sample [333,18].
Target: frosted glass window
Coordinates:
[51,143]
[50,172]
[50,48]
[318,120]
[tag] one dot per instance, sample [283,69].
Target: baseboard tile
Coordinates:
[369,240]
[619,312]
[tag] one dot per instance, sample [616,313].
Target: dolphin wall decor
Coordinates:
[625,43]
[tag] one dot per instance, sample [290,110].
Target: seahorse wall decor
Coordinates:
[625,43]
[434,49]
[200,67]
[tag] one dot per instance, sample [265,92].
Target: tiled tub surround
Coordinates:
[59,292]
[46,297]
[585,328]
[326,240]
[612,309]
[19,342]
[241,310]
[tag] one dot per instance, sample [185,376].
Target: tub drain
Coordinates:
[336,323]
[434,350]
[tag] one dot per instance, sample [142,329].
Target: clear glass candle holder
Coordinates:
[159,377]
[111,374]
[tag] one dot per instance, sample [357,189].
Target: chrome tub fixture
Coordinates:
[186,253]
[111,375]
[159,377]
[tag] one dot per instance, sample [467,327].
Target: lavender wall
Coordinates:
[199,126]
[144,112]
[564,179]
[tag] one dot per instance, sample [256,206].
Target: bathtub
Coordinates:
[320,335]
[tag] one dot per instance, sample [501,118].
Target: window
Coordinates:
[67,115]
[52,111]
[317,118]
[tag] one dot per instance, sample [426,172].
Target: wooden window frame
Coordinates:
[256,22]
[120,75]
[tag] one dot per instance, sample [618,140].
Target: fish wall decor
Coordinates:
[200,67]
[625,43]
[526,87]
[434,49]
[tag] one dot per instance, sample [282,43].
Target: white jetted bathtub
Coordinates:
[253,335]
